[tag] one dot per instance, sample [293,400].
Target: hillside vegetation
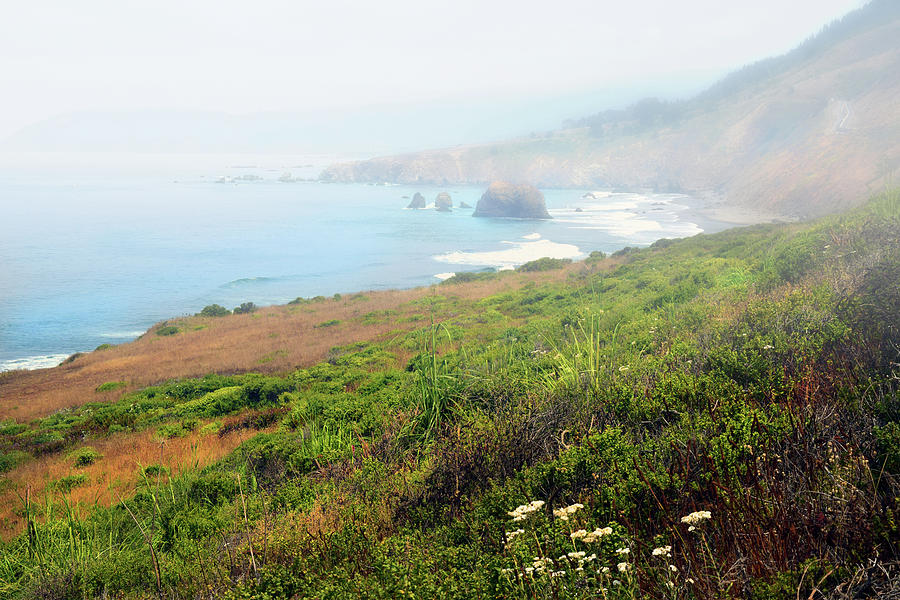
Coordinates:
[805,134]
[714,417]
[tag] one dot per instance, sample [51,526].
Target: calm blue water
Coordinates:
[96,257]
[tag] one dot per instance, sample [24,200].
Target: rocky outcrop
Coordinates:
[464,205]
[418,201]
[512,201]
[443,202]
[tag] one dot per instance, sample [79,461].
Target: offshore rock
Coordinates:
[512,201]
[443,202]
[418,201]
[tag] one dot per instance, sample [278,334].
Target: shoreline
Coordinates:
[707,211]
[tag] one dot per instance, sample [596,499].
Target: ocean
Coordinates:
[95,249]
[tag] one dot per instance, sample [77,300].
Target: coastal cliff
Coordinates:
[801,135]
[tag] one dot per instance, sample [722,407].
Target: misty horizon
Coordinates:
[307,88]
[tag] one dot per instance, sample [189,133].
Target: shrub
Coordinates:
[85,456]
[171,430]
[544,264]
[11,428]
[103,347]
[154,471]
[245,308]
[467,276]
[73,358]
[214,310]
[167,330]
[329,323]
[9,460]
[213,488]
[69,482]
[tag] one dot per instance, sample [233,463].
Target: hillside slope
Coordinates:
[801,135]
[713,417]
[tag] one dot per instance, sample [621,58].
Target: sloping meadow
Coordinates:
[709,417]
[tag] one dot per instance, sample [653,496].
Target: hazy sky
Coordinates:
[57,56]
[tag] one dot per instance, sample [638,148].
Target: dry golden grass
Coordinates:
[114,476]
[272,340]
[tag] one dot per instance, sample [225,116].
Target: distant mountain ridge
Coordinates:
[803,134]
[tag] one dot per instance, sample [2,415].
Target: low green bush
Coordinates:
[544,264]
[69,482]
[84,456]
[245,308]
[214,310]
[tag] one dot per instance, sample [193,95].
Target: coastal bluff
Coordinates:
[512,201]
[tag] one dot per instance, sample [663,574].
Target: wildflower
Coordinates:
[557,573]
[623,567]
[673,568]
[529,570]
[563,514]
[576,554]
[663,551]
[689,580]
[696,517]
[510,535]
[623,550]
[604,570]
[522,512]
[577,535]
[617,582]
[623,369]
[768,347]
[691,528]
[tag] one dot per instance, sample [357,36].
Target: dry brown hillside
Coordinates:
[275,339]
[805,134]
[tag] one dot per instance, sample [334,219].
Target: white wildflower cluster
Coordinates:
[623,567]
[589,537]
[563,514]
[511,535]
[696,518]
[663,551]
[623,551]
[524,511]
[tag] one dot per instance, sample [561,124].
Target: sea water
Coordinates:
[97,252]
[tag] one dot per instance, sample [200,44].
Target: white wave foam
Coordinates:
[444,276]
[29,363]
[120,335]
[532,236]
[517,254]
[622,221]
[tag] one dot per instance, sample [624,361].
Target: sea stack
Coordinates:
[418,201]
[512,201]
[443,202]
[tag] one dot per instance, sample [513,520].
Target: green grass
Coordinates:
[111,385]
